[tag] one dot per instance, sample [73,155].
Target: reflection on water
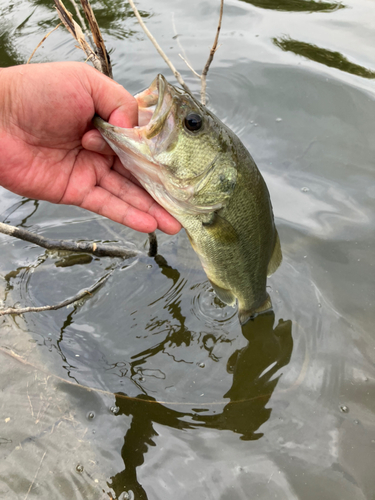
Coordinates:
[241,406]
[297,5]
[9,56]
[322,56]
[254,369]
[29,206]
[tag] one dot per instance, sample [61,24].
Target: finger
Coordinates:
[126,190]
[166,222]
[93,141]
[136,196]
[102,202]
[112,102]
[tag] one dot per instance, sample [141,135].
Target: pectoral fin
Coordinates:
[245,315]
[276,257]
[220,229]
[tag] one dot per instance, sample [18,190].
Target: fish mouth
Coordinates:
[150,102]
[154,113]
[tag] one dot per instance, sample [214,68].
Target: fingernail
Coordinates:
[97,144]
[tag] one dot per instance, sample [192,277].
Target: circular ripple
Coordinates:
[208,307]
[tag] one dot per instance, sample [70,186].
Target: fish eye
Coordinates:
[193,122]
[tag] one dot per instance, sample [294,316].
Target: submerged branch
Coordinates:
[153,242]
[60,305]
[73,246]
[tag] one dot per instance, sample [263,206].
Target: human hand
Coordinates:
[49,150]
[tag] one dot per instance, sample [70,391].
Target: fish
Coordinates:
[195,167]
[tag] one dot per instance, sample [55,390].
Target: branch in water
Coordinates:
[153,242]
[67,302]
[81,246]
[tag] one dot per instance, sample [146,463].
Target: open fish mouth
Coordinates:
[138,147]
[150,101]
[155,118]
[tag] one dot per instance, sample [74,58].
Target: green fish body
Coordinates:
[200,172]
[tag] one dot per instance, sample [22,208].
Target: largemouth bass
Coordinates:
[201,173]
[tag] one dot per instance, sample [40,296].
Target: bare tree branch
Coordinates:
[190,67]
[73,246]
[77,33]
[203,76]
[158,48]
[67,302]
[211,56]
[82,21]
[101,51]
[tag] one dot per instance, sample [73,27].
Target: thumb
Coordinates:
[112,102]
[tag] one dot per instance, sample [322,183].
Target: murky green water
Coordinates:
[183,403]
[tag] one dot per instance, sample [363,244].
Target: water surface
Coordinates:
[150,389]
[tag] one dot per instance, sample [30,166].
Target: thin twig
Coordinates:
[190,67]
[82,21]
[158,48]
[73,246]
[177,37]
[67,302]
[36,473]
[28,397]
[40,43]
[211,56]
